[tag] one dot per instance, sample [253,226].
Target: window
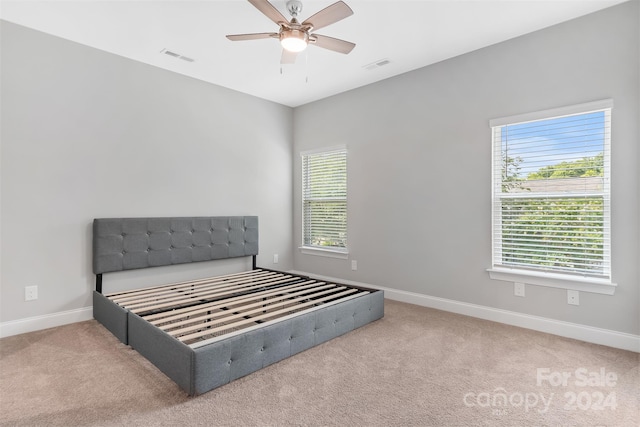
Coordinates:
[324,200]
[551,198]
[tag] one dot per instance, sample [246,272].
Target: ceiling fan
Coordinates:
[295,36]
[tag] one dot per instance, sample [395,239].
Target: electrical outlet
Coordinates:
[518,289]
[354,265]
[275,258]
[30,293]
[573,297]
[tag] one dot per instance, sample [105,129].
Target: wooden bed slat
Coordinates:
[113,295]
[209,340]
[202,297]
[143,293]
[245,309]
[264,316]
[193,289]
[168,316]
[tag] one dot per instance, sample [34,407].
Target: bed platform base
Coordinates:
[205,333]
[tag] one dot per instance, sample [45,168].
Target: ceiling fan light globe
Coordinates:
[294,40]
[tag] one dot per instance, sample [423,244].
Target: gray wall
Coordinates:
[420,159]
[89,134]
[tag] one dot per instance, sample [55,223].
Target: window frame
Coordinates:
[554,279]
[325,251]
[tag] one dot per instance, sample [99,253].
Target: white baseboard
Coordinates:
[576,331]
[36,323]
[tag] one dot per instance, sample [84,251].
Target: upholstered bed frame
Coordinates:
[205,333]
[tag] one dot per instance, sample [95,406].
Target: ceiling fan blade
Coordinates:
[337,45]
[288,57]
[329,15]
[269,11]
[254,36]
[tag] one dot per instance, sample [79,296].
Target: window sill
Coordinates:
[329,253]
[554,280]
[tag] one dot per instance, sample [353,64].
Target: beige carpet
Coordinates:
[415,367]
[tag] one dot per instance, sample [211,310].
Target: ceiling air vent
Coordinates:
[177,55]
[377,64]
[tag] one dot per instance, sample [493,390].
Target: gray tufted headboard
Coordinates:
[131,243]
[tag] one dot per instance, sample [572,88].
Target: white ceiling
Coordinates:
[410,34]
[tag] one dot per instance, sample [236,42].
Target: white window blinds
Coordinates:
[551,191]
[324,199]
